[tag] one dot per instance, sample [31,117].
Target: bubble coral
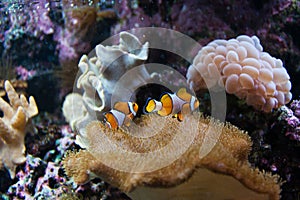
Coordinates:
[13,126]
[140,171]
[244,69]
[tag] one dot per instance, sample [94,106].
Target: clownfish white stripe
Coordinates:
[109,125]
[158,105]
[152,105]
[130,105]
[192,103]
[177,103]
[119,116]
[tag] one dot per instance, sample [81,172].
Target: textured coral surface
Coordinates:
[244,69]
[229,155]
[13,127]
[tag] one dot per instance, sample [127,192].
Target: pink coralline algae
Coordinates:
[291,116]
[48,186]
[24,74]
[40,17]
[68,138]
[203,19]
[25,17]
[189,17]
[43,183]
[25,176]
[69,46]
[40,179]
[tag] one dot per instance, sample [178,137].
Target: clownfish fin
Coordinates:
[167,105]
[179,116]
[128,108]
[110,120]
[186,109]
[196,104]
[122,107]
[149,106]
[130,116]
[127,121]
[183,94]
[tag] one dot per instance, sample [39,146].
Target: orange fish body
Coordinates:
[177,104]
[121,114]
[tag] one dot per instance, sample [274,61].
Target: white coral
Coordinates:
[101,72]
[101,76]
[13,124]
[244,69]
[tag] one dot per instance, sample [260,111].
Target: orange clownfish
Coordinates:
[121,114]
[175,104]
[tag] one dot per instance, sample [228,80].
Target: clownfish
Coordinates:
[121,114]
[176,104]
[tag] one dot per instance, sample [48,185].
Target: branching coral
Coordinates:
[229,157]
[13,124]
[19,85]
[246,71]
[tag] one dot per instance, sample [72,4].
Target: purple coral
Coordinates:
[24,74]
[41,180]
[66,141]
[295,106]
[25,176]
[28,18]
[40,16]
[65,46]
[292,118]
[182,17]
[43,184]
